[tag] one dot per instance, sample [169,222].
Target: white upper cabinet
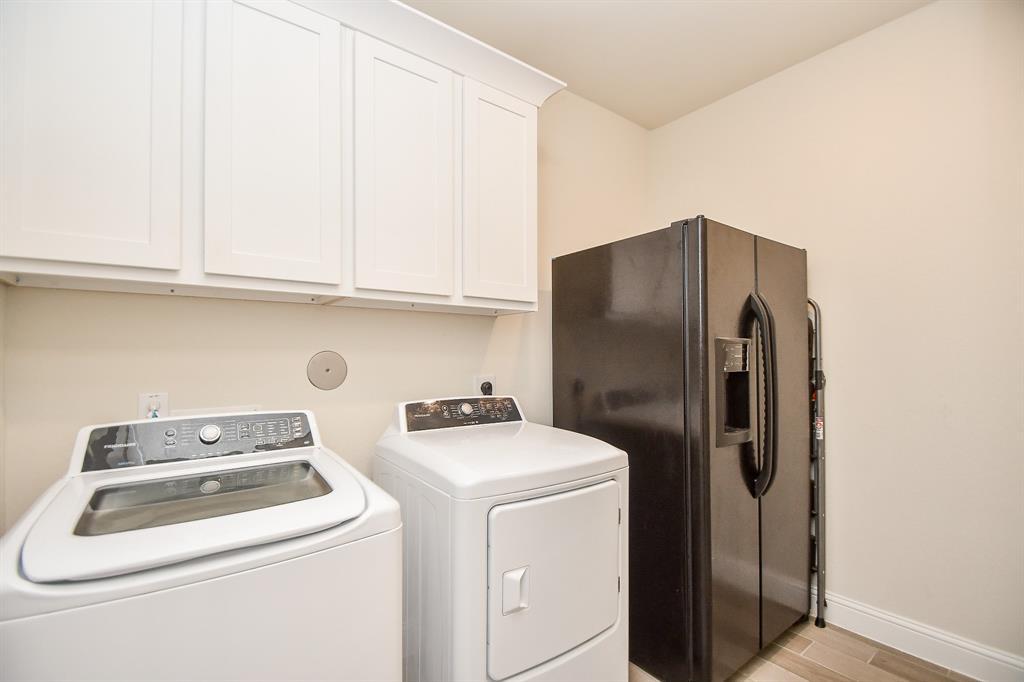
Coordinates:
[90,131]
[499,195]
[404,173]
[341,153]
[273,141]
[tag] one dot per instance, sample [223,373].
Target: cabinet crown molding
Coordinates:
[402,26]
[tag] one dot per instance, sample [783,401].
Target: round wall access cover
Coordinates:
[327,370]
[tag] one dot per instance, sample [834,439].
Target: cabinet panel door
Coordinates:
[90,131]
[273,141]
[500,195]
[404,176]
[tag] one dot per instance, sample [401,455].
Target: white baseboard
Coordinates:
[923,641]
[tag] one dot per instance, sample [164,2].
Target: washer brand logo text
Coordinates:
[120,445]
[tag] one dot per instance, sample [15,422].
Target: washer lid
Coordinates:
[493,459]
[123,522]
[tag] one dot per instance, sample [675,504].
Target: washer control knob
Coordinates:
[209,434]
[466,409]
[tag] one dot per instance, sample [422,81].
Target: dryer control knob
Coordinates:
[209,434]
[466,409]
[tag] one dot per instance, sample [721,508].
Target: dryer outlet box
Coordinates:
[479,380]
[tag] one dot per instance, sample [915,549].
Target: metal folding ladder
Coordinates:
[817,434]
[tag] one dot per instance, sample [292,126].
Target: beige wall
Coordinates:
[77,358]
[897,161]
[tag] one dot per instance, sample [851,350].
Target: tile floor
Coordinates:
[809,654]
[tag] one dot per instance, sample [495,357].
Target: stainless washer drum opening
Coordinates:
[162,502]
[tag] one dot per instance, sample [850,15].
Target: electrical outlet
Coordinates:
[154,402]
[479,379]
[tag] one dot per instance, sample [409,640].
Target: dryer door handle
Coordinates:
[515,590]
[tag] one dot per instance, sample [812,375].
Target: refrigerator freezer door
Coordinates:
[785,527]
[733,509]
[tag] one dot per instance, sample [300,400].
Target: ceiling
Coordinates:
[653,61]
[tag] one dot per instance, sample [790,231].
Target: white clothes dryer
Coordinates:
[229,547]
[516,546]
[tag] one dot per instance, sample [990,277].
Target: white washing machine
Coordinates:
[516,547]
[231,547]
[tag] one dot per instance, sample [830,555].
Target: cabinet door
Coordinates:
[404,177]
[90,128]
[273,141]
[500,195]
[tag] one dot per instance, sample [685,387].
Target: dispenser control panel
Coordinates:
[451,412]
[733,354]
[170,440]
[733,392]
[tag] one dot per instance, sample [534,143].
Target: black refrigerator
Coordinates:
[688,348]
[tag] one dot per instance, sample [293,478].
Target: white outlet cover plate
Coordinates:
[160,400]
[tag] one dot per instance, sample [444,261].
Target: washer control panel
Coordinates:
[172,440]
[452,412]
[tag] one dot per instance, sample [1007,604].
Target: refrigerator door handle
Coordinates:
[766,321]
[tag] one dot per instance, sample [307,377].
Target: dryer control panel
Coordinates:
[452,412]
[171,440]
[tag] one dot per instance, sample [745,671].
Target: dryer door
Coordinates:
[553,575]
